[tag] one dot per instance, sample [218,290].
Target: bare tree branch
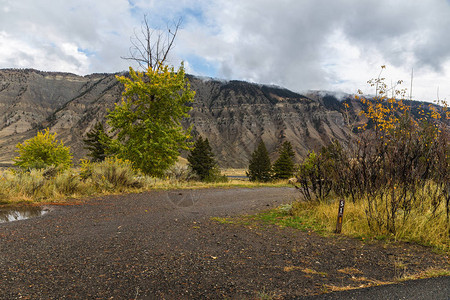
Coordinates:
[150,47]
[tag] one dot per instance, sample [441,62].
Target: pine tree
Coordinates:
[97,142]
[201,159]
[259,168]
[283,168]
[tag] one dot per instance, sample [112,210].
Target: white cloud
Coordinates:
[299,44]
[43,30]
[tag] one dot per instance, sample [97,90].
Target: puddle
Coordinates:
[22,213]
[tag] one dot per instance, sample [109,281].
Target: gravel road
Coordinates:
[164,245]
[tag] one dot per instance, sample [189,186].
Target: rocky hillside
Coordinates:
[233,115]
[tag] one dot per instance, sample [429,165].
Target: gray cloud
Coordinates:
[283,41]
[396,29]
[299,44]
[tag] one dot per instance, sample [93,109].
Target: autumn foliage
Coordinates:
[148,119]
[42,151]
[398,166]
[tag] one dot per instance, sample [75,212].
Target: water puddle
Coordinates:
[22,213]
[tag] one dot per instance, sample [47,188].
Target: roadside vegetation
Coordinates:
[394,177]
[111,176]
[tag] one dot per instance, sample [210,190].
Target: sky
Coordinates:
[332,45]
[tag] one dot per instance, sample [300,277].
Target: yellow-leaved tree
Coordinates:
[42,151]
[148,119]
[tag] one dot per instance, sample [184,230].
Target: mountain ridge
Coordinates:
[232,114]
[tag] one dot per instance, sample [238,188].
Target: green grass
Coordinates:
[321,218]
[304,223]
[275,217]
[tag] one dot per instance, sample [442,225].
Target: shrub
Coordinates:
[51,184]
[37,184]
[111,174]
[43,151]
[398,168]
[67,183]
[26,183]
[181,173]
[314,178]
[399,157]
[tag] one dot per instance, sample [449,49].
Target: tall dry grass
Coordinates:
[424,225]
[112,176]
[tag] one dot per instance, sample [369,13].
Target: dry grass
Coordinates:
[314,272]
[350,271]
[168,184]
[422,226]
[292,268]
[234,172]
[363,282]
[428,273]
[304,270]
[34,188]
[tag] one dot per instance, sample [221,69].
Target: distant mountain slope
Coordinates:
[233,115]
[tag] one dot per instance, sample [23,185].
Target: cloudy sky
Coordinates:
[334,45]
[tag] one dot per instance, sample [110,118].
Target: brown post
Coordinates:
[340,216]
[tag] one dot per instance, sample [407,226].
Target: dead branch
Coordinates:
[150,47]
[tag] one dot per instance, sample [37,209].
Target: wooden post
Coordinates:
[340,216]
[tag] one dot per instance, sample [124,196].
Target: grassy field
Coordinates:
[234,172]
[43,186]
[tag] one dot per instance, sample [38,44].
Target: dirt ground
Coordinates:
[164,245]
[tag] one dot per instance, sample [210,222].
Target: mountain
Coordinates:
[233,115]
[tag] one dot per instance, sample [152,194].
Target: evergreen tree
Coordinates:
[283,168]
[97,142]
[201,159]
[259,168]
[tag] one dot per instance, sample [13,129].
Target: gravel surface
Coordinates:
[164,245]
